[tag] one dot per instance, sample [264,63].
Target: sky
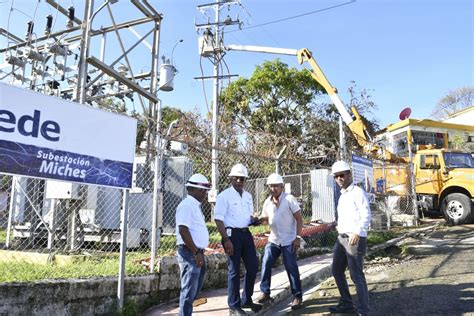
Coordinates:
[406,53]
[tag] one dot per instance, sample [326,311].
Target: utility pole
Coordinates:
[212,45]
[215,107]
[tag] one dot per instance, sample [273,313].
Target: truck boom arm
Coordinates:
[356,125]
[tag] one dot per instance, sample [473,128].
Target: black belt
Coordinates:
[237,229]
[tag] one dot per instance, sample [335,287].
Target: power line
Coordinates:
[295,16]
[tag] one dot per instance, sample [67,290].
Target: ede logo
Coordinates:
[29,125]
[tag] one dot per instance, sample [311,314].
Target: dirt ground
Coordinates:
[428,274]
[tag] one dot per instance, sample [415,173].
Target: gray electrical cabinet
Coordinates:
[176,171]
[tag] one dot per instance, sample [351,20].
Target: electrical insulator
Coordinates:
[53,84]
[70,16]
[49,24]
[12,60]
[29,31]
[31,53]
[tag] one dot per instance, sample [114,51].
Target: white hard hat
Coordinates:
[238,170]
[340,166]
[274,178]
[197,180]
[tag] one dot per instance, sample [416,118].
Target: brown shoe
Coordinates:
[199,301]
[297,303]
[264,298]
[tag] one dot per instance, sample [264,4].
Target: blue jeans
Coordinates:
[345,255]
[272,252]
[192,279]
[244,249]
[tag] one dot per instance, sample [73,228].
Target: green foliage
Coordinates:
[94,267]
[459,142]
[130,308]
[5,182]
[378,237]
[275,99]
[110,105]
[283,101]
[3,235]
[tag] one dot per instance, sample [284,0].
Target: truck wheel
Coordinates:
[457,209]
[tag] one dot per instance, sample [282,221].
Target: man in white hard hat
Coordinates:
[353,220]
[192,237]
[282,211]
[233,214]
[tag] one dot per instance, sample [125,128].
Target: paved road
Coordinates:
[436,277]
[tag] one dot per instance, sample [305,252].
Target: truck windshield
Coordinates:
[459,160]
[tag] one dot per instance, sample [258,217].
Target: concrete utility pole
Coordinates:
[213,46]
[215,106]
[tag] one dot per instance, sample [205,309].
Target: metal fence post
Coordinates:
[10,211]
[123,249]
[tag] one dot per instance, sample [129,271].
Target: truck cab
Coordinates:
[445,182]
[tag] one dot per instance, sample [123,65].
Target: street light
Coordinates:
[172,51]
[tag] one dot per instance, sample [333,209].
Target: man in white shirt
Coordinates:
[233,214]
[192,237]
[353,220]
[282,211]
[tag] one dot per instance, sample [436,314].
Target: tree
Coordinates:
[275,99]
[285,102]
[453,102]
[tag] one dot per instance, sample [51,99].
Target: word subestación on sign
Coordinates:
[52,164]
[47,137]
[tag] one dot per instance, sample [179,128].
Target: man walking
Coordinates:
[353,220]
[233,214]
[191,237]
[282,211]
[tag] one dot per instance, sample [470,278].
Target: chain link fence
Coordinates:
[395,199]
[77,227]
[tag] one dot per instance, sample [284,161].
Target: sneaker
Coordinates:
[254,307]
[237,311]
[340,309]
[297,303]
[264,298]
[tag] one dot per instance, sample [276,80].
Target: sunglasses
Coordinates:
[241,179]
[340,175]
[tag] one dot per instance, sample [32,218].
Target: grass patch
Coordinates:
[96,266]
[3,235]
[378,237]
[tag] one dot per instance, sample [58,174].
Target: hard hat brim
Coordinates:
[205,186]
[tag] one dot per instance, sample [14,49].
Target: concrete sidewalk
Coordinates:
[312,270]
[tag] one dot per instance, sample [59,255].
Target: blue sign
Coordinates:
[46,137]
[21,159]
